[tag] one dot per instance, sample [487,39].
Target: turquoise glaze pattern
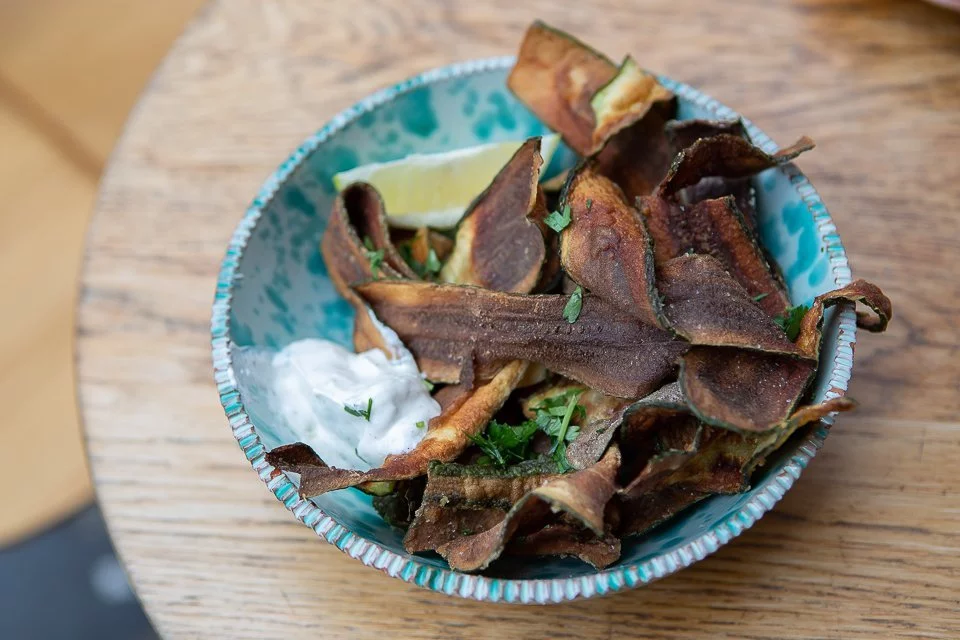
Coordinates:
[273,288]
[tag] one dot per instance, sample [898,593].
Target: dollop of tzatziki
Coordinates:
[353,409]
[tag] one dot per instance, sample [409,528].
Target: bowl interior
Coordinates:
[282,292]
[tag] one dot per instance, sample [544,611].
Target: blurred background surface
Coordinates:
[70,71]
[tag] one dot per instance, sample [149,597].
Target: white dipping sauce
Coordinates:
[313,380]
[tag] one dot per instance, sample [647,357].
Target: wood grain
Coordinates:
[865,545]
[69,72]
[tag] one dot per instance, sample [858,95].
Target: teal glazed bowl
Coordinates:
[273,288]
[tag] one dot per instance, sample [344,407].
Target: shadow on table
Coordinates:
[67,583]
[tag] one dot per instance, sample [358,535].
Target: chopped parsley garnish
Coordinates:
[425,270]
[572,311]
[791,320]
[374,255]
[559,221]
[503,444]
[758,298]
[360,412]
[421,424]
[432,265]
[429,385]
[554,416]
[589,204]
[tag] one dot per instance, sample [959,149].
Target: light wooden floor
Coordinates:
[69,73]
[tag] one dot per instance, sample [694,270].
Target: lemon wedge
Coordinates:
[435,189]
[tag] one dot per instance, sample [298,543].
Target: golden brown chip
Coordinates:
[582,495]
[450,329]
[466,499]
[810,336]
[624,101]
[556,75]
[498,245]
[748,391]
[725,156]
[566,540]
[716,228]
[707,307]
[606,247]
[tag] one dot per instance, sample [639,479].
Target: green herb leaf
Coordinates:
[572,311]
[589,204]
[360,412]
[421,424]
[559,221]
[375,256]
[429,385]
[758,298]
[791,320]
[425,270]
[432,265]
[504,444]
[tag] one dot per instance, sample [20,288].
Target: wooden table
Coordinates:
[867,544]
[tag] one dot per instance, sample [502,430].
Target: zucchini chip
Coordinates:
[582,496]
[457,332]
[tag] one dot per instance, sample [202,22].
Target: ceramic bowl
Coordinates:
[273,288]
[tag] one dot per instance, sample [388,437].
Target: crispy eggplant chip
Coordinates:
[810,336]
[398,507]
[498,244]
[556,75]
[642,513]
[624,101]
[566,540]
[606,247]
[582,496]
[466,499]
[638,156]
[673,439]
[603,415]
[742,390]
[724,156]
[751,391]
[716,228]
[707,307]
[449,328]
[447,436]
[357,218]
[683,133]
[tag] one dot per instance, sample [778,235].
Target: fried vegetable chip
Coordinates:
[469,498]
[447,436]
[753,391]
[582,495]
[556,76]
[716,228]
[624,101]
[743,390]
[606,247]
[682,134]
[810,337]
[565,540]
[707,307]
[454,331]
[498,245]
[725,156]
[358,215]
